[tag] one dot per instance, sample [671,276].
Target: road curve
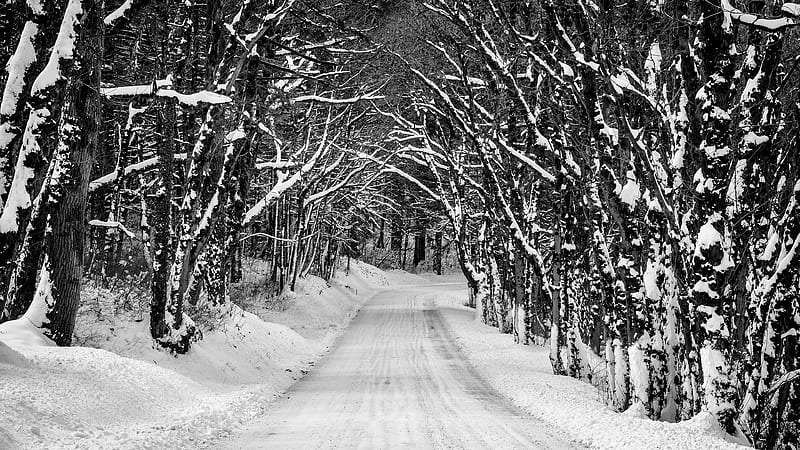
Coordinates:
[395,379]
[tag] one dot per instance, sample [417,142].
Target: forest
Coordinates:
[618,180]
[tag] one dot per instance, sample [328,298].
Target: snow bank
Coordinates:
[82,397]
[242,349]
[11,357]
[361,275]
[117,391]
[22,333]
[523,374]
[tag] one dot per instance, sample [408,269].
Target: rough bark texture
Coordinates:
[80,117]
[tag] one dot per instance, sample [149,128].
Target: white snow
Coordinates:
[652,66]
[639,373]
[582,60]
[195,98]
[735,191]
[715,369]
[22,333]
[142,165]
[16,68]
[235,135]
[209,212]
[138,89]
[125,394]
[621,370]
[703,286]
[620,83]
[283,183]
[784,262]
[793,9]
[162,90]
[631,192]
[772,243]
[18,196]
[707,237]
[36,314]
[715,323]
[11,357]
[523,374]
[650,281]
[117,13]
[771,23]
[568,72]
[336,101]
[715,152]
[62,49]
[36,6]
[113,224]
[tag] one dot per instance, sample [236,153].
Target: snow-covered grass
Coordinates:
[114,390]
[523,374]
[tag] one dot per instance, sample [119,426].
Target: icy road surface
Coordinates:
[396,379]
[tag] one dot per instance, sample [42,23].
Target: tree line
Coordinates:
[622,180]
[167,137]
[619,179]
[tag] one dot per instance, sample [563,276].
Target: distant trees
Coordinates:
[621,177]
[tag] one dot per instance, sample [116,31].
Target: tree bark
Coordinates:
[58,294]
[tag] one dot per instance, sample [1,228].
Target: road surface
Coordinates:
[395,379]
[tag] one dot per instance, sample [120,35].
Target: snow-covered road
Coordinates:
[396,379]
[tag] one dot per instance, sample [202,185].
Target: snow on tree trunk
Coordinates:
[558,318]
[77,55]
[160,221]
[27,118]
[36,35]
[22,286]
[711,258]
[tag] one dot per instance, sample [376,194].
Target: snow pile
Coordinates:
[241,349]
[117,391]
[317,310]
[92,398]
[11,357]
[524,375]
[18,333]
[358,274]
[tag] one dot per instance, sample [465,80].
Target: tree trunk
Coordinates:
[419,247]
[58,296]
[160,220]
[437,253]
[381,235]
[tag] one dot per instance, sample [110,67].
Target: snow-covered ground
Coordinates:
[396,379]
[116,391]
[523,374]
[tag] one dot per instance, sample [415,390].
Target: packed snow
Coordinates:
[524,375]
[117,391]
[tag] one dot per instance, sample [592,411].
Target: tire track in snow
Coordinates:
[395,379]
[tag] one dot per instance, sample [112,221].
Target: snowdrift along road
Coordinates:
[414,370]
[396,379]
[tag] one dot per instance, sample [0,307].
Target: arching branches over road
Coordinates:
[621,181]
